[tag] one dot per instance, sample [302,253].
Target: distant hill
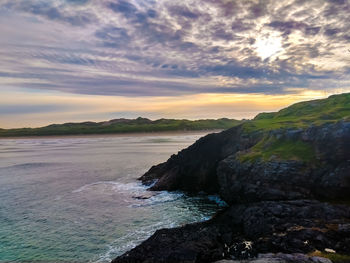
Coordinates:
[122,126]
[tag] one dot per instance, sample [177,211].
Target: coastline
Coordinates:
[127,134]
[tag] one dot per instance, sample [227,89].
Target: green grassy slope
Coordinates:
[303,114]
[299,115]
[121,126]
[279,149]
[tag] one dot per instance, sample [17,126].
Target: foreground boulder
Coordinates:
[281,258]
[246,230]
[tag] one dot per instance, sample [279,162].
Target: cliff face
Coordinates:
[275,172]
[325,176]
[194,169]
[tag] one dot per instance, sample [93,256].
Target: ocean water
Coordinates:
[66,199]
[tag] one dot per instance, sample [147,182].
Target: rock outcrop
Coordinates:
[325,177]
[212,164]
[281,258]
[194,169]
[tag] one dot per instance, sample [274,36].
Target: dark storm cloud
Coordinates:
[168,47]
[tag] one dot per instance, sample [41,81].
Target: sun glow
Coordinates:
[268,46]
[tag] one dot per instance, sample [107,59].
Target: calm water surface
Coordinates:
[73,198]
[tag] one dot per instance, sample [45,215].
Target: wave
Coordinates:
[116,186]
[137,196]
[159,197]
[137,192]
[130,240]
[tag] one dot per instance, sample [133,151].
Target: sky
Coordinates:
[80,60]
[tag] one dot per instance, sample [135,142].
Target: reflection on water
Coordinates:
[77,198]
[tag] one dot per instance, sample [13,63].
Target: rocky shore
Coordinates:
[288,191]
[243,231]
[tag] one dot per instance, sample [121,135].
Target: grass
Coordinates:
[279,149]
[121,126]
[334,257]
[303,114]
[299,115]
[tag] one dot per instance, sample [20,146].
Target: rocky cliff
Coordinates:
[321,170]
[275,172]
[229,163]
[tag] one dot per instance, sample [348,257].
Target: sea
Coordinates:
[77,199]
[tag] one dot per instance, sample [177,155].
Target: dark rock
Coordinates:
[145,196]
[300,226]
[281,258]
[250,182]
[194,169]
[212,165]
[328,178]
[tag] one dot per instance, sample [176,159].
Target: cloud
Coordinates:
[49,11]
[148,48]
[183,12]
[78,2]
[113,36]
[124,7]
[30,109]
[287,26]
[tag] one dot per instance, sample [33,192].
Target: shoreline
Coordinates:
[126,134]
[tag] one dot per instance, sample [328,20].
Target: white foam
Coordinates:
[129,241]
[159,197]
[133,190]
[116,186]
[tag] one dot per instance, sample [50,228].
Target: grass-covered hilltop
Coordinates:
[122,126]
[304,114]
[299,116]
[286,179]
